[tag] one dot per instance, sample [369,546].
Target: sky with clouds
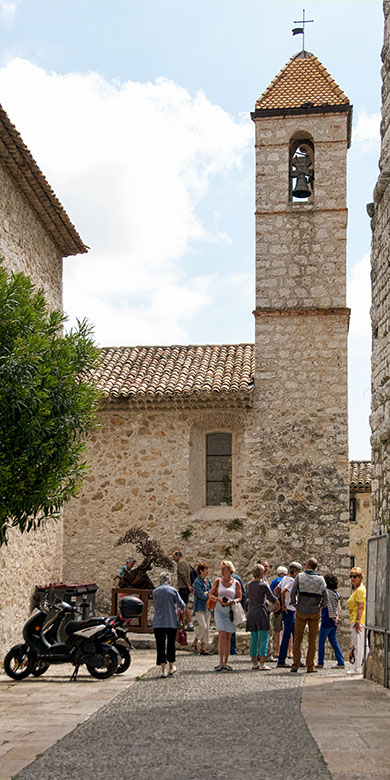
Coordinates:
[138,114]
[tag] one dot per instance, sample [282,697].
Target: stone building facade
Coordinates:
[276,409]
[380,310]
[35,234]
[360,523]
[379,211]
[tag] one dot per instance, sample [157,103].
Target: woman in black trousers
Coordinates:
[167,601]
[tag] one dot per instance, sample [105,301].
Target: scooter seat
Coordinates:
[76,625]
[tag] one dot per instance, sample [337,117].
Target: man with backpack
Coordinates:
[184,584]
[308,594]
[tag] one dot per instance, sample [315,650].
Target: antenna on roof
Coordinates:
[301,30]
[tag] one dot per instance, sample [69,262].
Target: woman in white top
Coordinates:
[225,590]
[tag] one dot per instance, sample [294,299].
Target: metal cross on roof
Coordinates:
[301,30]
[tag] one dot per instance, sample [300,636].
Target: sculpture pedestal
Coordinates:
[141,625]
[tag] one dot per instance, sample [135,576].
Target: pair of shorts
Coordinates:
[278,621]
[185,594]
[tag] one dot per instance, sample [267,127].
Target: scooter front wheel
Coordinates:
[125,659]
[40,668]
[18,662]
[109,665]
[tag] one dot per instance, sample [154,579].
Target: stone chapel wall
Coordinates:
[147,469]
[34,558]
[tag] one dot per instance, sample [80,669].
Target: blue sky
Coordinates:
[138,114]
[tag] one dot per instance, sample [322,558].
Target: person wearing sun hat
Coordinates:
[357,616]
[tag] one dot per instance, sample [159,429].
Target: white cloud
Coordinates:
[131,163]
[359,300]
[7,9]
[366,130]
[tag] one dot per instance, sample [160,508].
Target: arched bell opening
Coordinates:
[301,168]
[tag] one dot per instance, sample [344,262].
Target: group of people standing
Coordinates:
[295,598]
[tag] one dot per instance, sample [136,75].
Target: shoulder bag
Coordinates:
[210,603]
[239,615]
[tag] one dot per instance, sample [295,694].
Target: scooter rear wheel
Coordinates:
[125,659]
[18,662]
[110,663]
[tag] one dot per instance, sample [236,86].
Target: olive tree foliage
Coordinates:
[47,405]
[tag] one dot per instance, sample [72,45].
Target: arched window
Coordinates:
[219,469]
[301,168]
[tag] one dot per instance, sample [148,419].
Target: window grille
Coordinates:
[219,469]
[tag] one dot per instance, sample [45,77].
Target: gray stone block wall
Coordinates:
[380,357]
[380,311]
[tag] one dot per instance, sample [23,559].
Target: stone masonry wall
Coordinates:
[36,558]
[147,469]
[380,320]
[380,311]
[299,454]
[300,247]
[361,530]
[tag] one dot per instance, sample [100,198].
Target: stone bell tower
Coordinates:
[298,449]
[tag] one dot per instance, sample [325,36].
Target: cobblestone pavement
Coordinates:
[37,711]
[197,725]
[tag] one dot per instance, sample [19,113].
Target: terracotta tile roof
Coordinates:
[360,474]
[25,172]
[176,371]
[302,80]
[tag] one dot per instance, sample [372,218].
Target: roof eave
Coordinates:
[25,172]
[241,399]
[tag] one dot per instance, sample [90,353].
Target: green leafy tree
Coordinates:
[47,405]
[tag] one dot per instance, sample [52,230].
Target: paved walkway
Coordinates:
[38,711]
[349,718]
[199,724]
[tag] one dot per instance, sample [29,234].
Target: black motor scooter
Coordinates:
[83,645]
[55,626]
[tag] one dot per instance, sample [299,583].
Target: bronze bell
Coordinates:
[301,188]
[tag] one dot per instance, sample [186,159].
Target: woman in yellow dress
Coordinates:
[357,616]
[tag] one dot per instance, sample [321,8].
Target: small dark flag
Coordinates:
[297,31]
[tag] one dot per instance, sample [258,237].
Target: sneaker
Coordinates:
[338,666]
[265,668]
[282,666]
[190,627]
[319,666]
[353,671]
[164,674]
[219,668]
[172,671]
[255,666]
[228,668]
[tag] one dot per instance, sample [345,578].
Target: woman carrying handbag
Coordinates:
[224,592]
